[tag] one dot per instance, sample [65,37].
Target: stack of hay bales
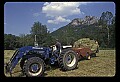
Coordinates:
[86,42]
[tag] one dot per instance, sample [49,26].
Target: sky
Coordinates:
[19,17]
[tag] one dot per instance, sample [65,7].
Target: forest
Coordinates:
[103,31]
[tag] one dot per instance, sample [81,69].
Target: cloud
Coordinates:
[5,23]
[54,29]
[60,10]
[46,3]
[36,14]
[58,20]
[48,29]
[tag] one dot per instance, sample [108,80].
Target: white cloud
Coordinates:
[60,10]
[58,20]
[48,29]
[51,21]
[36,14]
[46,3]
[5,23]
[54,29]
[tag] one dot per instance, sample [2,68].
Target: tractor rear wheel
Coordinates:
[34,67]
[68,60]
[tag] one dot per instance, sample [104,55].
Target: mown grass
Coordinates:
[104,65]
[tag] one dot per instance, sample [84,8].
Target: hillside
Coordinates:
[88,27]
[78,28]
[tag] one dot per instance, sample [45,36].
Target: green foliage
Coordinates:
[106,18]
[98,31]
[43,38]
[10,41]
[40,31]
[26,40]
[67,35]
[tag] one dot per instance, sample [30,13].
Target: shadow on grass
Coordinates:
[18,72]
[48,68]
[21,75]
[84,59]
[52,67]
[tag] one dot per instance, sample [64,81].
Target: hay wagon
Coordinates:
[86,48]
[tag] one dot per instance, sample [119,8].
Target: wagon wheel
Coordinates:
[88,57]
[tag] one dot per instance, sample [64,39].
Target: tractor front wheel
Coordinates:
[34,67]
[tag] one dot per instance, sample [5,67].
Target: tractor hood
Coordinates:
[18,54]
[28,48]
[23,49]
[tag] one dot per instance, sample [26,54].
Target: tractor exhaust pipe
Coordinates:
[35,43]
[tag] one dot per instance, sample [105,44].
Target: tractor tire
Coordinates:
[68,60]
[34,67]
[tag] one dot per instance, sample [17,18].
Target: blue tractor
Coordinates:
[33,60]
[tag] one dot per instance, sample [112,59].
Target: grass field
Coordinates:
[104,65]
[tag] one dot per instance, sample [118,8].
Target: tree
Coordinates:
[22,40]
[112,33]
[10,41]
[106,21]
[113,20]
[40,31]
[26,40]
[106,18]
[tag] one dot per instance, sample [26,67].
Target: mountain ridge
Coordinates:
[87,20]
[76,29]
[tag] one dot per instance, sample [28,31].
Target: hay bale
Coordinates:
[86,42]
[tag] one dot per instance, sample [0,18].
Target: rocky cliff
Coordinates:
[88,20]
